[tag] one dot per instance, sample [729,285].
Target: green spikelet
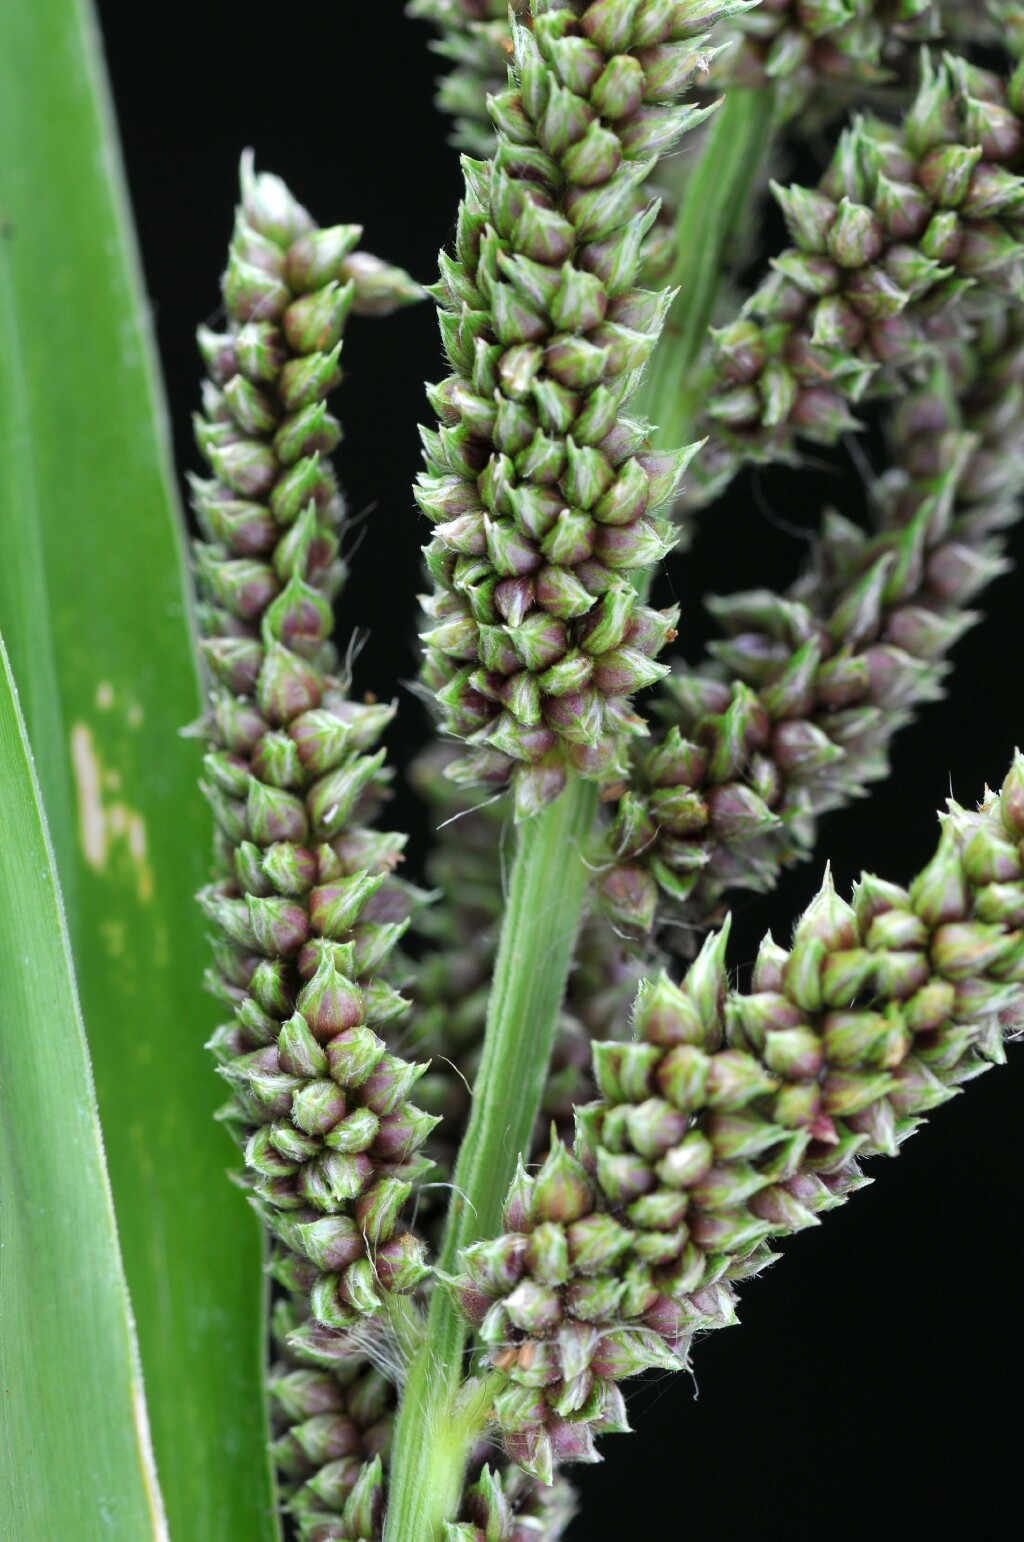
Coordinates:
[905,222]
[507,1506]
[475,39]
[332,1424]
[544,494]
[821,54]
[305,907]
[824,676]
[737,1117]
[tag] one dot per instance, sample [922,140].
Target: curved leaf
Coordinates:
[93,602]
[73,1425]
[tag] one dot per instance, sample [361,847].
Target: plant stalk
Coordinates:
[716,196]
[439,1419]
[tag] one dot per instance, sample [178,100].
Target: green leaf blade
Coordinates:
[94,605]
[74,1435]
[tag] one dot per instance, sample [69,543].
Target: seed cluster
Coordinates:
[474,36]
[818,54]
[306,907]
[906,221]
[735,1117]
[544,495]
[333,1432]
[510,1506]
[732,1117]
[807,689]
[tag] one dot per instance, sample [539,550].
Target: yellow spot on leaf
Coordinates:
[104,695]
[113,934]
[110,832]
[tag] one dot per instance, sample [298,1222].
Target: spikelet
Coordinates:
[735,1118]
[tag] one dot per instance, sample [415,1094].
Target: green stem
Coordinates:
[440,1419]
[715,199]
[542,919]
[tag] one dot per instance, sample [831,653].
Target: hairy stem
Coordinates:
[539,930]
[716,196]
[437,1427]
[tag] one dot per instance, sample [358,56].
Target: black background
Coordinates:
[873,1388]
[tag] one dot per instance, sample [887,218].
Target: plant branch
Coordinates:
[436,1427]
